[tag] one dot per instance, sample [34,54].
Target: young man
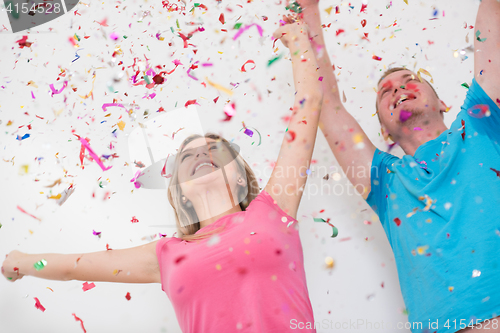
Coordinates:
[440,203]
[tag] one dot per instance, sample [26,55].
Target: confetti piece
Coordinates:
[81,323]
[363,23]
[404,115]
[39,265]
[463,133]
[96,233]
[23,42]
[397,220]
[25,212]
[76,55]
[363,8]
[273,60]
[88,286]
[128,296]
[476,273]
[248,62]
[134,180]
[219,87]
[290,136]
[54,91]
[335,231]
[134,219]
[496,171]
[422,249]
[376,58]
[247,130]
[419,74]
[406,1]
[25,136]
[229,110]
[94,155]
[294,7]
[39,305]
[480,39]
[242,30]
[329,9]
[329,262]
[65,195]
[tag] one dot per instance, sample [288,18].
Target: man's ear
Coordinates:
[385,134]
[443,107]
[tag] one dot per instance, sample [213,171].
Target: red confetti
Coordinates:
[376,58]
[38,305]
[23,42]
[498,101]
[88,286]
[463,133]
[216,99]
[108,248]
[290,136]
[191,101]
[248,62]
[339,31]
[363,8]
[221,18]
[495,171]
[134,219]
[81,322]
[179,259]
[128,296]
[397,221]
[363,23]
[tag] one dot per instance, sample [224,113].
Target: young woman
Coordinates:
[238,263]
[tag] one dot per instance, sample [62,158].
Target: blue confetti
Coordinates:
[25,136]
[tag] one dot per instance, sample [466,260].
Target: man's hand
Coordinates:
[10,265]
[293,30]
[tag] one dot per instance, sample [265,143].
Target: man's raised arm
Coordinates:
[341,130]
[487,47]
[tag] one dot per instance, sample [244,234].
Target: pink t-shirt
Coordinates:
[247,278]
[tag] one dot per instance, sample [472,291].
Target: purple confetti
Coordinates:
[404,115]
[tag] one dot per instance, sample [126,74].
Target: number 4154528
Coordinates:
[43,7]
[485,325]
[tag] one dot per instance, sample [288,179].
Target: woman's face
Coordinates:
[200,166]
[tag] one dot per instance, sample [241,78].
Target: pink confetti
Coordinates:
[242,30]
[106,105]
[32,95]
[55,92]
[114,36]
[404,115]
[320,78]
[417,129]
[38,305]
[88,286]
[25,212]
[134,180]
[94,155]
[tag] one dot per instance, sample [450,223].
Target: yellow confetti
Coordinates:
[50,289]
[421,249]
[421,70]
[329,262]
[406,1]
[218,267]
[329,9]
[32,83]
[23,169]
[121,125]
[219,87]
[57,197]
[274,277]
[451,289]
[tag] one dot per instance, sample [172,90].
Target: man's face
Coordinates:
[405,104]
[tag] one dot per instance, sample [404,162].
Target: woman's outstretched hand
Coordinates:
[292,30]
[10,266]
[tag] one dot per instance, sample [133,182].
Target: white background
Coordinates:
[363,285]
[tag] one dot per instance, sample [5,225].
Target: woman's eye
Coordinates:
[184,157]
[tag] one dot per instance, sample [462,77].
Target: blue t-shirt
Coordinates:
[440,210]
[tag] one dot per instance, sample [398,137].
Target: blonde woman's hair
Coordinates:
[186,219]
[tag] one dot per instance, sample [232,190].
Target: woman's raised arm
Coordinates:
[134,265]
[290,173]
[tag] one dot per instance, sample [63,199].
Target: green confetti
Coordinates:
[237,26]
[0,225]
[177,22]
[9,278]
[465,85]
[172,29]
[335,231]
[477,36]
[146,78]
[294,7]
[40,264]
[274,60]
[77,37]
[125,37]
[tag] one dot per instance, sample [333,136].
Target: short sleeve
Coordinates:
[481,112]
[379,179]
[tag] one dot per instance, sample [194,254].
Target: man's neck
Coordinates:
[416,138]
